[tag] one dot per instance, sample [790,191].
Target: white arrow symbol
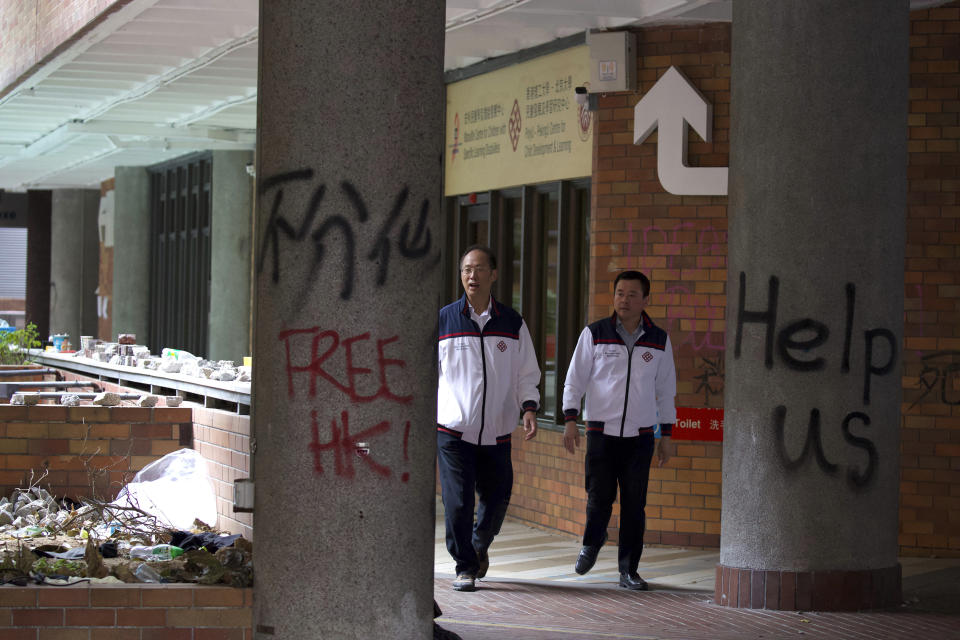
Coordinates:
[670,102]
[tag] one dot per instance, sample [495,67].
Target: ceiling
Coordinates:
[161,78]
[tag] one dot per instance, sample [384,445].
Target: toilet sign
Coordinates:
[672,106]
[698,424]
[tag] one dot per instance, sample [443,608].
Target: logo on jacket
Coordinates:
[647,356]
[502,346]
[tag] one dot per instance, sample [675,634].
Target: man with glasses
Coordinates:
[488,375]
[624,366]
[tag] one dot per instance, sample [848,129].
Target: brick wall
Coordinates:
[85,448]
[683,505]
[930,438]
[223,439]
[34,29]
[126,612]
[681,243]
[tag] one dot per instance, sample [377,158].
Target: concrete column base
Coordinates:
[808,590]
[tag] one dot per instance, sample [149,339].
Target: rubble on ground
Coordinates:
[107,399]
[70,400]
[43,539]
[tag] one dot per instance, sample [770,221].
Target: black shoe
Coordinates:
[484,558]
[633,582]
[586,559]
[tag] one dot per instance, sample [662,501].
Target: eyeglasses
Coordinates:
[468,271]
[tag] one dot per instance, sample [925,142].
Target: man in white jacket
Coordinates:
[624,366]
[488,376]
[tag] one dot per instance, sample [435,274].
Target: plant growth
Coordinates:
[14,344]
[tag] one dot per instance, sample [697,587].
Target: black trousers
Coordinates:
[613,461]
[465,468]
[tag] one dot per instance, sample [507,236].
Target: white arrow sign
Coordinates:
[670,105]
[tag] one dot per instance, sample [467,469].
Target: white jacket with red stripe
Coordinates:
[486,377]
[627,392]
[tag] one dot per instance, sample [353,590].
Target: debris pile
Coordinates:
[46,540]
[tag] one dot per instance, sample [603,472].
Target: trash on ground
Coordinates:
[175,489]
[155,533]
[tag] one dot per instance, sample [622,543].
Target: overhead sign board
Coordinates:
[519,125]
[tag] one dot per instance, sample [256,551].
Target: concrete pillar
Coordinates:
[37,304]
[131,253]
[75,258]
[230,250]
[815,305]
[350,120]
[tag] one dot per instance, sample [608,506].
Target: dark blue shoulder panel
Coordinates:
[455,321]
[653,336]
[505,322]
[604,331]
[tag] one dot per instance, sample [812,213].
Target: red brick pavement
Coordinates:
[526,610]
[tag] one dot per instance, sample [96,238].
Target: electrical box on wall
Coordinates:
[613,61]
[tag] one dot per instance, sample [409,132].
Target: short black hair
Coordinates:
[634,275]
[491,259]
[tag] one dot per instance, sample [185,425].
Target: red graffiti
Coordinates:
[346,447]
[673,327]
[703,245]
[341,371]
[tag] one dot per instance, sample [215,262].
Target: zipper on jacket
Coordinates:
[483,397]
[626,395]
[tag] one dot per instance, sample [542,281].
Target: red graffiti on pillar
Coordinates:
[354,378]
[345,446]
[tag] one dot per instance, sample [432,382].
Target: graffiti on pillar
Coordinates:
[346,447]
[939,378]
[803,345]
[410,238]
[335,349]
[361,369]
[856,476]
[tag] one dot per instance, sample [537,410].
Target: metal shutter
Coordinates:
[13,262]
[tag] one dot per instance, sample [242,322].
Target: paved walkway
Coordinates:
[532,593]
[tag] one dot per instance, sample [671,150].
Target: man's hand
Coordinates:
[571,435]
[529,424]
[665,450]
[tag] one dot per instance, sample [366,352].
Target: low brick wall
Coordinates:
[126,612]
[223,439]
[85,448]
[683,498]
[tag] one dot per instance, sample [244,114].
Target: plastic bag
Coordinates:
[176,489]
